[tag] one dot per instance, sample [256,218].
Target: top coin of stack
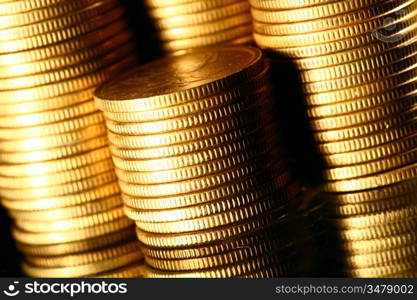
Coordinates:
[357,62]
[201,167]
[188,24]
[56,174]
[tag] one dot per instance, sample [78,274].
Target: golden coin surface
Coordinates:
[86,209]
[78,246]
[83,270]
[240,7]
[86,196]
[205,28]
[84,258]
[11,46]
[64,21]
[186,8]
[187,77]
[50,238]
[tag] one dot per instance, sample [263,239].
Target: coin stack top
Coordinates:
[186,25]
[200,165]
[57,178]
[356,60]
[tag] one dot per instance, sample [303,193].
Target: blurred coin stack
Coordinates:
[200,165]
[189,24]
[56,174]
[357,63]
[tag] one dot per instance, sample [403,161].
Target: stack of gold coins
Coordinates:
[57,178]
[189,24]
[357,63]
[201,167]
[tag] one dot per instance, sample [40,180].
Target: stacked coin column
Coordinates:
[200,165]
[357,62]
[183,25]
[57,178]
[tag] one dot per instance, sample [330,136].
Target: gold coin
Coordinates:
[55,165]
[242,192]
[67,86]
[214,207]
[209,39]
[120,43]
[89,208]
[228,130]
[84,258]
[15,7]
[367,260]
[194,151]
[361,95]
[296,4]
[234,256]
[51,238]
[42,13]
[394,108]
[164,3]
[69,112]
[150,108]
[368,65]
[78,246]
[95,38]
[83,270]
[375,219]
[65,225]
[247,268]
[205,28]
[77,97]
[369,168]
[58,190]
[10,46]
[338,45]
[183,187]
[226,218]
[264,134]
[65,126]
[372,207]
[353,131]
[405,48]
[349,11]
[54,153]
[247,62]
[240,7]
[382,244]
[57,75]
[382,193]
[359,108]
[367,182]
[132,271]
[76,199]
[241,112]
[281,239]
[72,175]
[364,81]
[54,141]
[368,141]
[314,32]
[46,26]
[191,172]
[238,148]
[382,231]
[383,271]
[191,239]
[176,10]
[223,99]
